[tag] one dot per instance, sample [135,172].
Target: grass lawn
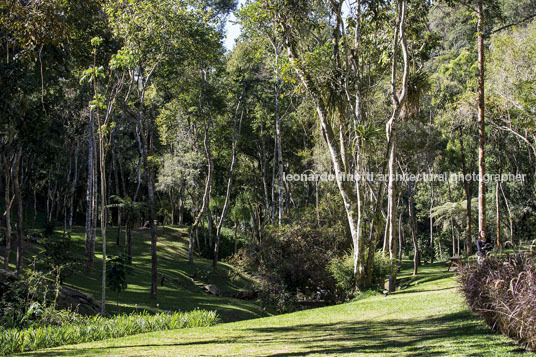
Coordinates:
[182,294]
[428,318]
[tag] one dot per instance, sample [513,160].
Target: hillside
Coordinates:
[180,293]
[427,318]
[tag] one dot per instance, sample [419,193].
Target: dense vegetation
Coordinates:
[324,147]
[427,318]
[98,328]
[502,292]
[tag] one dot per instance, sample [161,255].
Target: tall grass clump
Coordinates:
[503,292]
[97,328]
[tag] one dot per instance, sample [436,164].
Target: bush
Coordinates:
[226,243]
[55,253]
[381,269]
[342,271]
[22,301]
[503,292]
[87,329]
[295,260]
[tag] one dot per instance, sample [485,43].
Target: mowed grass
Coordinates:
[428,318]
[182,294]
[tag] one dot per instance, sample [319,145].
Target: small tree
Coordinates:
[116,274]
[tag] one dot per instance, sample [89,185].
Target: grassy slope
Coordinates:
[173,262]
[428,318]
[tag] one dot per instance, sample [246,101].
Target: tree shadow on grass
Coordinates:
[432,336]
[457,333]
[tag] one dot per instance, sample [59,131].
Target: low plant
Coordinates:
[381,269]
[503,292]
[342,270]
[95,328]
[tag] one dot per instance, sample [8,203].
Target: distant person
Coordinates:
[482,244]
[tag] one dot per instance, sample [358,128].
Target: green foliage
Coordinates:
[26,301]
[381,270]
[342,270]
[96,328]
[296,257]
[116,272]
[55,253]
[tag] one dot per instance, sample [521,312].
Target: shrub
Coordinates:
[381,269]
[295,260]
[23,300]
[503,292]
[87,329]
[342,271]
[55,253]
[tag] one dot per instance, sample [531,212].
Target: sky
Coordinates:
[232,30]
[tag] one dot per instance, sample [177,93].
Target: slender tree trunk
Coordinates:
[180,209]
[73,188]
[431,223]
[210,170]
[118,192]
[128,233]
[278,139]
[95,204]
[481,123]
[510,220]
[7,200]
[237,124]
[498,214]
[145,134]
[391,218]
[34,206]
[18,200]
[103,218]
[274,166]
[451,223]
[400,237]
[413,224]
[90,188]
[235,238]
[468,196]
[209,227]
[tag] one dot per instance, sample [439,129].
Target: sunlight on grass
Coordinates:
[180,295]
[427,318]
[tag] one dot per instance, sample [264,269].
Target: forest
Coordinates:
[337,149]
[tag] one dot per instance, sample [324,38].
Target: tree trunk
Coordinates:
[413,224]
[128,233]
[453,236]
[468,196]
[237,124]
[210,170]
[8,202]
[431,222]
[328,114]
[90,188]
[400,238]
[145,134]
[73,188]
[18,200]
[118,192]
[103,218]
[235,238]
[498,214]
[391,217]
[278,139]
[481,124]
[509,214]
